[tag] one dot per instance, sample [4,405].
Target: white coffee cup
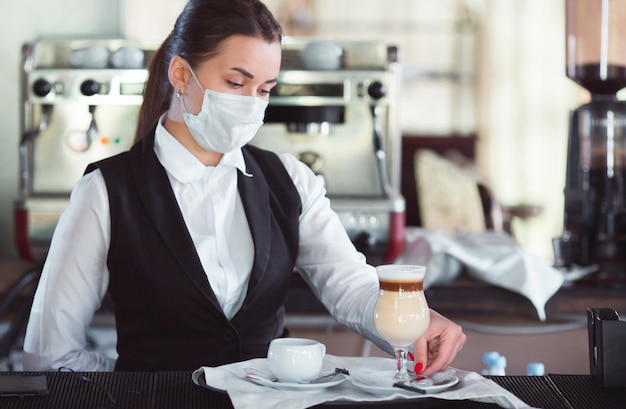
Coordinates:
[93,56]
[321,55]
[295,360]
[128,56]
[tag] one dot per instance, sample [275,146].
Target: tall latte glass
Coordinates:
[401,315]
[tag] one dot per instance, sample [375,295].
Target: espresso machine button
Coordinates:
[90,87]
[42,87]
[377,90]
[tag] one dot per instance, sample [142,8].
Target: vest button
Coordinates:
[229,336]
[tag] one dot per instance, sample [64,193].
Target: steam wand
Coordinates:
[27,138]
[379,150]
[92,131]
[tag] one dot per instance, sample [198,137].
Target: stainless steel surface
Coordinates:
[344,124]
[58,156]
[347,149]
[66,125]
[72,115]
[369,215]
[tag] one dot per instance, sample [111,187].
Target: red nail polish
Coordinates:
[411,356]
[418,367]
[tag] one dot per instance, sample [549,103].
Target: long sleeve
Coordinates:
[73,283]
[328,261]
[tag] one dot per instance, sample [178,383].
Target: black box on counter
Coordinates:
[607,347]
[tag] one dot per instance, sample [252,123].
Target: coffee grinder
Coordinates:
[595,190]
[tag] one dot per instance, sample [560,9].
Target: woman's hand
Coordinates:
[436,349]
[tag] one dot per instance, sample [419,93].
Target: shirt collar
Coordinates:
[181,163]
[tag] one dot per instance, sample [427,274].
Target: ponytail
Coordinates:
[157,92]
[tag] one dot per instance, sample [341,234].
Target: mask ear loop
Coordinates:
[180,94]
[193,74]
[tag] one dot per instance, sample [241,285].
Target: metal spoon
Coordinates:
[413,387]
[252,372]
[338,371]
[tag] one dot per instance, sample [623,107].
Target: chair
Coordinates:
[16,304]
[451,198]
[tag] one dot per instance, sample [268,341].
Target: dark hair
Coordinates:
[197,35]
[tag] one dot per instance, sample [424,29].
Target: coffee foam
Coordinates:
[401,273]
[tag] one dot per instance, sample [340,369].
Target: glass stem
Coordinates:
[401,372]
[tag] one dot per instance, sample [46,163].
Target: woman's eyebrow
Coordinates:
[248,74]
[243,71]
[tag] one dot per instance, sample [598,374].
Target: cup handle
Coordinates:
[323,349]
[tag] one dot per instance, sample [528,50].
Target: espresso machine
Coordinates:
[335,107]
[79,104]
[595,187]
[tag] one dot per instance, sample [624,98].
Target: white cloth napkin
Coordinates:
[245,394]
[491,257]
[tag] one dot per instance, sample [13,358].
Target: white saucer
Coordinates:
[261,378]
[439,386]
[382,383]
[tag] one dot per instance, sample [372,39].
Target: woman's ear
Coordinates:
[178,74]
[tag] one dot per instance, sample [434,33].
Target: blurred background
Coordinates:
[492,70]
[484,76]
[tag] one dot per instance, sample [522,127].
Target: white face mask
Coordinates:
[226,121]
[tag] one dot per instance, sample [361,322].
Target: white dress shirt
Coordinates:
[75,276]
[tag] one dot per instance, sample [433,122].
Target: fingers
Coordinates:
[442,351]
[421,354]
[445,340]
[436,349]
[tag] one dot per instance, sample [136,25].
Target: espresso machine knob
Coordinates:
[42,87]
[377,90]
[90,87]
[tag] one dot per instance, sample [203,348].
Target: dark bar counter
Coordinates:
[475,297]
[471,297]
[176,390]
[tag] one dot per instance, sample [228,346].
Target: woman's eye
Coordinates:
[235,85]
[264,92]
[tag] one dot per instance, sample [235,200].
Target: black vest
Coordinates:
[167,315]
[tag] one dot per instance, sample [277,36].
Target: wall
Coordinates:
[524,100]
[22,21]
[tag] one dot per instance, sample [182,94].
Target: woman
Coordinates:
[194,234]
